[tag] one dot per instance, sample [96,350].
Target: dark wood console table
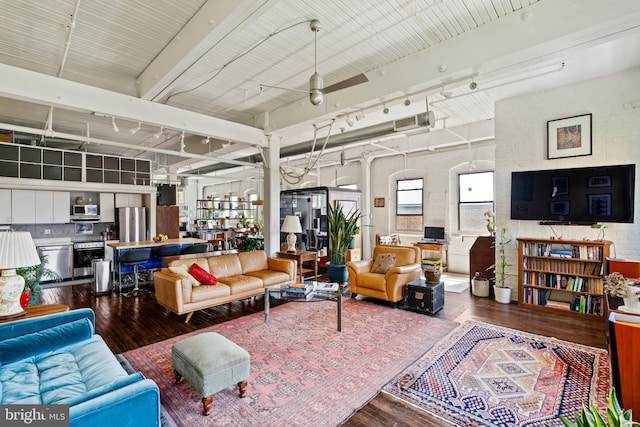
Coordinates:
[481,255]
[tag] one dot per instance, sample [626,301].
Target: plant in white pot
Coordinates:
[501,291]
[617,285]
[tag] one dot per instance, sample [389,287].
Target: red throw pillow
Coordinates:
[202,275]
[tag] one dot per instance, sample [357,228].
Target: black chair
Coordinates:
[196,248]
[135,257]
[167,250]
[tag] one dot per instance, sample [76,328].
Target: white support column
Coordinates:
[272,196]
[365,208]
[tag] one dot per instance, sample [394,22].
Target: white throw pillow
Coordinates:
[182,271]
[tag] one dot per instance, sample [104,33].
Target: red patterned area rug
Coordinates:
[485,375]
[303,371]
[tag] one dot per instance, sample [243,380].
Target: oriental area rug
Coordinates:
[303,371]
[485,375]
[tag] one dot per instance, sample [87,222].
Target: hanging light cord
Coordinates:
[232,60]
[295,178]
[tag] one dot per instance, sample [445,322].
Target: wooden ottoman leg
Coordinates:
[206,405]
[242,388]
[178,376]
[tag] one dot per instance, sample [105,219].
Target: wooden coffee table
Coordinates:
[39,310]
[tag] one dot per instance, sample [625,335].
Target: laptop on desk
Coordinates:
[433,241]
[434,235]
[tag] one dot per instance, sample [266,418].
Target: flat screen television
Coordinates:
[574,196]
[434,233]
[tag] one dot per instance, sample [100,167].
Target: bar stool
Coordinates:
[196,248]
[135,257]
[167,250]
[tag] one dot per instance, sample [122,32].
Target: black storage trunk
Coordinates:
[425,297]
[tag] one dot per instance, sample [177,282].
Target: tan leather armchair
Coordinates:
[390,285]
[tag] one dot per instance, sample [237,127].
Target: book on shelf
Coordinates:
[561,305]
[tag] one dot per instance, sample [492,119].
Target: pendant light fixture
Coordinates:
[258,201]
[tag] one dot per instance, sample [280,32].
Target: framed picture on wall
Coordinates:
[348,206]
[569,137]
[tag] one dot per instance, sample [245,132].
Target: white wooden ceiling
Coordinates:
[211,57]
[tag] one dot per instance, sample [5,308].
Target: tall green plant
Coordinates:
[500,266]
[341,230]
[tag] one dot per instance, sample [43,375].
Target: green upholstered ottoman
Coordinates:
[210,363]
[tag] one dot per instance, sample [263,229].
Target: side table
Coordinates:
[39,310]
[299,257]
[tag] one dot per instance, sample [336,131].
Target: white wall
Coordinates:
[439,170]
[521,144]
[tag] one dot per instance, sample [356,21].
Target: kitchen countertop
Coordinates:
[151,243]
[52,241]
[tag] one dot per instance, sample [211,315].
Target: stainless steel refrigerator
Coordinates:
[133,224]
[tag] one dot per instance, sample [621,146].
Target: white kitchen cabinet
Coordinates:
[125,200]
[23,206]
[107,207]
[52,207]
[5,206]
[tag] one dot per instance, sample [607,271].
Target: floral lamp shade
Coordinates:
[16,250]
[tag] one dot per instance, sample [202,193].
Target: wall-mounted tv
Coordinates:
[574,196]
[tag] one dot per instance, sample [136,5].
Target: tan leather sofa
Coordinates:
[241,275]
[388,286]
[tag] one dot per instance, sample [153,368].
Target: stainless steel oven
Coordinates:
[83,254]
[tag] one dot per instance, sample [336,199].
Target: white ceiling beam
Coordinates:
[209,26]
[549,28]
[29,86]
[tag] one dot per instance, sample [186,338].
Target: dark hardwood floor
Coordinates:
[128,323]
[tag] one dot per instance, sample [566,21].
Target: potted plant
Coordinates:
[341,230]
[617,285]
[589,416]
[352,242]
[501,291]
[33,276]
[243,220]
[248,245]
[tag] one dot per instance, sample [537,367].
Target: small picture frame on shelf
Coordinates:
[569,137]
[599,181]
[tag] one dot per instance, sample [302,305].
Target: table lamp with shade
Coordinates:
[291,225]
[16,250]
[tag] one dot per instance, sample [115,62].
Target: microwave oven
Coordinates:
[83,213]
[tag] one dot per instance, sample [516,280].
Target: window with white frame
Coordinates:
[409,204]
[475,198]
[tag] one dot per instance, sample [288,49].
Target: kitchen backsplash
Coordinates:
[77,232]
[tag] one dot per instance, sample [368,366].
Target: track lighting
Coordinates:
[360,116]
[385,109]
[205,140]
[114,127]
[473,85]
[407,102]
[349,122]
[135,130]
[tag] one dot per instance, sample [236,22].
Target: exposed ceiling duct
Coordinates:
[418,123]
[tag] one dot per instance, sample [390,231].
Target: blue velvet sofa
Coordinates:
[58,359]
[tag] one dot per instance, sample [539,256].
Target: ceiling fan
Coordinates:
[316,84]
